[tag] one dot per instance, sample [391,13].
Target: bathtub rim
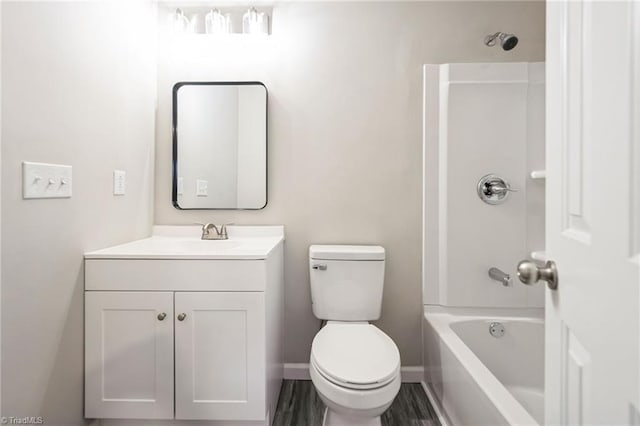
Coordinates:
[441,318]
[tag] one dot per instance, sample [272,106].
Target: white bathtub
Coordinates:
[478,379]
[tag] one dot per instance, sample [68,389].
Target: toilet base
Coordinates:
[332,418]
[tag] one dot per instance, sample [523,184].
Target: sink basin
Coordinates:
[243,245]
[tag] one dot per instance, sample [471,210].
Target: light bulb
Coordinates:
[254,22]
[178,22]
[217,23]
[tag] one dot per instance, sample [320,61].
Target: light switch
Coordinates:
[180,185]
[119,182]
[202,187]
[42,180]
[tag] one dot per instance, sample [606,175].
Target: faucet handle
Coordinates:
[206,229]
[223,230]
[498,188]
[492,189]
[220,233]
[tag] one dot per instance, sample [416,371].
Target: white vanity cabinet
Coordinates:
[185,336]
[129,354]
[220,356]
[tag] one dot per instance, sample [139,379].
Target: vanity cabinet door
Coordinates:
[129,355]
[220,355]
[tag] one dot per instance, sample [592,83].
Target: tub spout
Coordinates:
[498,275]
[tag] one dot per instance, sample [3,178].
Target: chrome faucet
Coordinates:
[219,234]
[498,275]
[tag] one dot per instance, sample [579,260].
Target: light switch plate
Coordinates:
[202,188]
[43,180]
[119,182]
[180,185]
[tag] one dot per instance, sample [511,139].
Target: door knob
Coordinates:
[530,273]
[182,316]
[162,316]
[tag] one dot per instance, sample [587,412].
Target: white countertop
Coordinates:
[183,242]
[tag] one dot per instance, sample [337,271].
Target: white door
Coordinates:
[220,356]
[128,355]
[593,212]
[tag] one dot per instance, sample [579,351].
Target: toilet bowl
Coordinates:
[355,368]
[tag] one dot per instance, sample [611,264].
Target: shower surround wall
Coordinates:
[482,119]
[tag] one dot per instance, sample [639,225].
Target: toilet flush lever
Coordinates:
[319,267]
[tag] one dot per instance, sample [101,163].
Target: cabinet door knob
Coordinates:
[182,316]
[162,316]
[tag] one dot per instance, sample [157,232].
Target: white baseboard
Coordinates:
[296,372]
[169,422]
[434,403]
[410,374]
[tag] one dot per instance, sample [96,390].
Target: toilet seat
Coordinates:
[355,355]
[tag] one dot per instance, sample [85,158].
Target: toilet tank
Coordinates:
[346,282]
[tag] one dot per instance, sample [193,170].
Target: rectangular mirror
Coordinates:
[219,145]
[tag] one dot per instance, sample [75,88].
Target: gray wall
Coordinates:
[1,8]
[78,85]
[345,129]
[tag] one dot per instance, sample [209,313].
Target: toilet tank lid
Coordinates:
[346,252]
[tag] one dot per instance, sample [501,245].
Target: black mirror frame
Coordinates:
[174,130]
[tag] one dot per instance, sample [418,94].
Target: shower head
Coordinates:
[507,41]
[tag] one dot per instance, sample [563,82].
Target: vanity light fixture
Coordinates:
[216,22]
[254,22]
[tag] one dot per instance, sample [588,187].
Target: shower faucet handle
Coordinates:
[497,188]
[493,189]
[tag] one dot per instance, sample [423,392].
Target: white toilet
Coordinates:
[354,366]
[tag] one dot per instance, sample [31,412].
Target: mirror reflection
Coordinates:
[219,145]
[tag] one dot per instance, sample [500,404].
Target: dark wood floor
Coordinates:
[299,405]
